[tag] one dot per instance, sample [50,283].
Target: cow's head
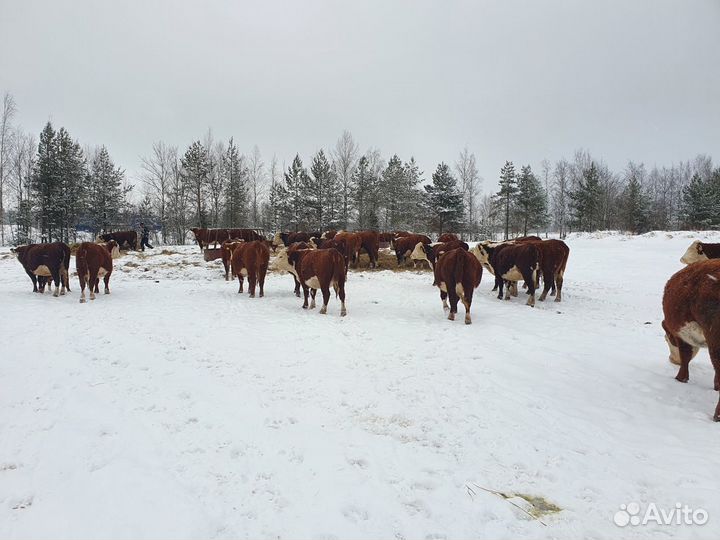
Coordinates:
[482,253]
[19,252]
[282,262]
[113,248]
[694,253]
[315,242]
[423,252]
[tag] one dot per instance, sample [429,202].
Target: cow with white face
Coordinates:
[510,263]
[700,251]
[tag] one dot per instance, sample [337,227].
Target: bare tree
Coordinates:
[560,196]
[546,168]
[157,174]
[256,172]
[470,181]
[6,132]
[345,157]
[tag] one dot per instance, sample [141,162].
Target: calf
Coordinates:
[447,237]
[700,251]
[431,252]
[405,245]
[511,263]
[317,269]
[122,238]
[458,274]
[691,309]
[297,246]
[349,245]
[227,248]
[251,259]
[95,261]
[46,261]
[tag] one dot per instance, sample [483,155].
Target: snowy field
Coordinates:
[176,408]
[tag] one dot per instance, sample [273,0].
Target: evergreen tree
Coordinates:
[71,199]
[295,182]
[585,200]
[392,188]
[46,181]
[105,192]
[196,170]
[317,192]
[411,200]
[635,207]
[531,201]
[701,202]
[365,188]
[508,188]
[443,200]
[235,176]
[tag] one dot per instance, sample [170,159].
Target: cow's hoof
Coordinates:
[297,294]
[343,313]
[451,317]
[716,417]
[323,311]
[62,293]
[82,300]
[261,295]
[682,379]
[304,307]
[468,321]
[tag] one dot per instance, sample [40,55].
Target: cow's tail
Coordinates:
[338,278]
[458,270]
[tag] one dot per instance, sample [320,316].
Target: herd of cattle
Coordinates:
[320,261]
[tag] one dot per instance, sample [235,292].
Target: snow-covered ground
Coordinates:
[176,408]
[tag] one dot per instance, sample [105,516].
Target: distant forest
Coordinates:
[51,186]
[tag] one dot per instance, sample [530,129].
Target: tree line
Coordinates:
[51,188]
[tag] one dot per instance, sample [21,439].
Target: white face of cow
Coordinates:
[282,262]
[277,240]
[694,253]
[418,254]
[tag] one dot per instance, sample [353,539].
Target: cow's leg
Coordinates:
[313,292]
[529,277]
[547,281]
[82,278]
[34,280]
[326,298]
[443,297]
[97,285]
[240,279]
[499,284]
[305,295]
[684,352]
[106,280]
[514,288]
[340,290]
[467,300]
[227,270]
[559,282]
[452,293]
[92,283]
[252,281]
[261,281]
[508,289]
[57,279]
[297,286]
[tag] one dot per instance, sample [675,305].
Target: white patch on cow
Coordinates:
[419,253]
[42,270]
[243,272]
[711,277]
[313,282]
[460,291]
[446,307]
[674,352]
[443,286]
[692,334]
[312,303]
[692,254]
[101,272]
[513,274]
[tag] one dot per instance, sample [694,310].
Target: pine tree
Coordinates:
[411,198]
[531,201]
[635,207]
[295,182]
[46,181]
[365,195]
[701,202]
[443,200]
[585,200]
[71,199]
[508,188]
[317,192]
[235,176]
[196,170]
[392,189]
[105,192]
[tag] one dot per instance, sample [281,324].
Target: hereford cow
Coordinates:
[227,248]
[700,251]
[204,237]
[250,259]
[348,244]
[405,245]
[691,309]
[317,269]
[385,239]
[95,261]
[328,235]
[431,252]
[511,263]
[123,238]
[457,275]
[447,237]
[287,238]
[554,256]
[370,242]
[526,239]
[46,261]
[297,246]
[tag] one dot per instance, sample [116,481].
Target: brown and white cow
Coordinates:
[554,256]
[457,275]
[297,246]
[447,237]
[404,246]
[329,235]
[316,269]
[94,261]
[431,252]
[123,238]
[228,246]
[349,244]
[511,263]
[287,238]
[251,259]
[691,309]
[700,251]
[204,237]
[46,262]
[370,242]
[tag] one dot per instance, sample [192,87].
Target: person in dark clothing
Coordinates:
[144,234]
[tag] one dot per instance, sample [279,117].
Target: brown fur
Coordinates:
[55,256]
[205,237]
[432,252]
[90,259]
[448,237]
[370,242]
[122,238]
[692,295]
[554,254]
[349,245]
[501,258]
[404,245]
[328,266]
[228,246]
[457,266]
[297,246]
[253,257]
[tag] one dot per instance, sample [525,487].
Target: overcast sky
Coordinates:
[512,80]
